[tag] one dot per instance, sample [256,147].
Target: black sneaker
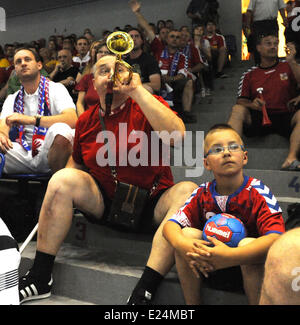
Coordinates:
[31,289]
[221,75]
[141,297]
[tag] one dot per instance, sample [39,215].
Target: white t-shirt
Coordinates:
[59,98]
[265,9]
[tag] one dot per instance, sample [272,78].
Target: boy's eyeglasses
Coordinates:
[234,147]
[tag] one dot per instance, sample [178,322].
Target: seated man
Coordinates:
[83,57]
[41,115]
[194,64]
[64,72]
[218,49]
[88,170]
[278,82]
[175,76]
[144,63]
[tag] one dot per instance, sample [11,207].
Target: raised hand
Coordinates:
[134,5]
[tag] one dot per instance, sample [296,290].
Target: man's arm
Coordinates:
[160,117]
[154,83]
[80,103]
[256,104]
[67,116]
[135,8]
[5,143]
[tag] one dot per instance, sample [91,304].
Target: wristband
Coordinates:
[37,120]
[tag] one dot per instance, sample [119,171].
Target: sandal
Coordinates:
[293,166]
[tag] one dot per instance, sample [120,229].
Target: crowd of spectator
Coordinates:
[177,63]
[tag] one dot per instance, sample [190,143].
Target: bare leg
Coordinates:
[252,277]
[161,257]
[187,96]
[239,116]
[282,269]
[222,58]
[57,209]
[59,153]
[190,284]
[294,141]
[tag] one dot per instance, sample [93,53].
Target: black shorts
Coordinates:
[281,124]
[178,87]
[147,223]
[230,279]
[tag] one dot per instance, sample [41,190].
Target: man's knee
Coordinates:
[62,143]
[173,199]
[296,119]
[63,180]
[183,189]
[281,281]
[189,84]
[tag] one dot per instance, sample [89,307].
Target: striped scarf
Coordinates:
[43,109]
[165,55]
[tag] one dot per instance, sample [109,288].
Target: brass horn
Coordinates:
[120,43]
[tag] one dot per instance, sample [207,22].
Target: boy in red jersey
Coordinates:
[278,81]
[234,193]
[87,182]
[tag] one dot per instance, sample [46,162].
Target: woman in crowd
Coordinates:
[87,95]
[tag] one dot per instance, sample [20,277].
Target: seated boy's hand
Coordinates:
[191,250]
[218,257]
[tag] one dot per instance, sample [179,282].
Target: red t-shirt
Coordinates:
[165,62]
[216,41]
[192,56]
[91,97]
[156,47]
[278,83]
[253,203]
[88,143]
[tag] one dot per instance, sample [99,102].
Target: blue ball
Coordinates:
[226,228]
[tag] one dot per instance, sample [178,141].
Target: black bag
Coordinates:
[127,206]
[293,219]
[129,200]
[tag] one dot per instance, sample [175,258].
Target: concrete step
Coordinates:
[281,183]
[106,278]
[266,158]
[56,300]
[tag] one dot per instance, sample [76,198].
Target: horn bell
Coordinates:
[120,43]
